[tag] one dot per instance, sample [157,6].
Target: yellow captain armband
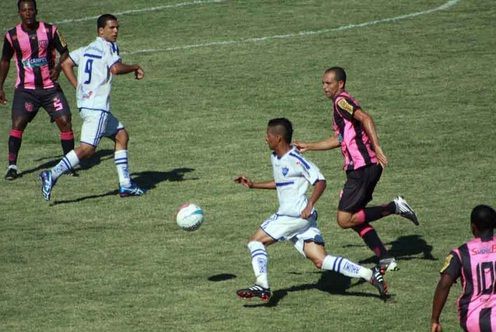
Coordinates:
[447,262]
[345,105]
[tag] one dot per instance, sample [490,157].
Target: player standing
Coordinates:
[474,263]
[364,160]
[296,218]
[97,63]
[33,43]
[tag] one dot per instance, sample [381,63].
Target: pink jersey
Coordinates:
[34,53]
[355,144]
[476,262]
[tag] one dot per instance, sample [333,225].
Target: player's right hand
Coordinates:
[139,73]
[302,147]
[244,181]
[3,101]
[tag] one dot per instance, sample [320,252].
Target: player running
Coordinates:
[97,63]
[33,43]
[296,218]
[474,262]
[364,160]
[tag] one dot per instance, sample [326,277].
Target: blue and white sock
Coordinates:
[259,262]
[68,162]
[121,163]
[346,267]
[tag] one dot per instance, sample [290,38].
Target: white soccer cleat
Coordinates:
[388,265]
[404,210]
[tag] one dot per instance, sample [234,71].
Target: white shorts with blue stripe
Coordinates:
[98,124]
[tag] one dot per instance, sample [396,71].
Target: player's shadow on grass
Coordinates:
[96,159]
[407,248]
[147,180]
[329,282]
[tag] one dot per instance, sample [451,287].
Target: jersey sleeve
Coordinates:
[114,56]
[452,266]
[76,56]
[59,41]
[346,106]
[309,170]
[8,50]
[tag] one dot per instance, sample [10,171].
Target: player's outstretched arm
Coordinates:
[246,182]
[4,70]
[440,296]
[120,68]
[330,143]
[68,69]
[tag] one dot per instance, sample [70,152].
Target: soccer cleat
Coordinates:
[255,291]
[47,184]
[388,264]
[377,280]
[11,173]
[404,210]
[132,190]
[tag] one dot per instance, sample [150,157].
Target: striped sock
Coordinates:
[346,267]
[259,262]
[121,163]
[69,161]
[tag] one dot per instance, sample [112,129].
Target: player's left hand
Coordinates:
[307,211]
[436,327]
[381,157]
[54,74]
[139,73]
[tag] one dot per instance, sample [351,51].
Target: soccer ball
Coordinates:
[189,216]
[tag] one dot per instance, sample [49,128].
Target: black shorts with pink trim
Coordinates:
[359,187]
[27,102]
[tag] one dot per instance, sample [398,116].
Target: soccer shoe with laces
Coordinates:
[11,173]
[378,282]
[47,184]
[255,291]
[388,264]
[132,190]
[404,210]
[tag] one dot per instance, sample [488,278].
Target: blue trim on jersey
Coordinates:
[307,166]
[282,184]
[92,56]
[93,109]
[75,64]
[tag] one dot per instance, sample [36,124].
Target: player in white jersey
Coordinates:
[97,63]
[296,218]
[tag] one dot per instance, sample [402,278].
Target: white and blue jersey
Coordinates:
[94,77]
[293,174]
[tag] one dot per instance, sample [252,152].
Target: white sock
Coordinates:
[259,261]
[68,162]
[346,267]
[121,163]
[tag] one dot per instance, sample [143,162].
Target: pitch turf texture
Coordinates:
[93,261]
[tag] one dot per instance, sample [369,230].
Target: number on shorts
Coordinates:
[87,69]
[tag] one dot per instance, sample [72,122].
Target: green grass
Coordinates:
[93,261]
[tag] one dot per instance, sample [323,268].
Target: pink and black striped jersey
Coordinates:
[34,53]
[475,264]
[355,144]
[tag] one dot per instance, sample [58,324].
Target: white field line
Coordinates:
[444,6]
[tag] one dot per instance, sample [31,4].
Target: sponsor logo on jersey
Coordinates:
[484,250]
[447,262]
[285,171]
[62,40]
[35,62]
[343,104]
[43,43]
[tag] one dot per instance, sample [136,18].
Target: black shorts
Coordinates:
[359,187]
[27,102]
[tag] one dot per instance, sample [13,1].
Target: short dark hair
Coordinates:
[339,73]
[283,127]
[101,22]
[19,4]
[484,217]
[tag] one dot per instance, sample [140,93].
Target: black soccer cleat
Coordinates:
[11,173]
[378,282]
[255,291]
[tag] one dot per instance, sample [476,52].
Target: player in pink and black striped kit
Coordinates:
[33,44]
[474,263]
[364,160]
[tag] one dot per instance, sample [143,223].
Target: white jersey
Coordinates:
[94,78]
[293,175]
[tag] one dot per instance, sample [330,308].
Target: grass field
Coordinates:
[216,72]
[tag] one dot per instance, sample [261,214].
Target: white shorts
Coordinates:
[98,124]
[296,230]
